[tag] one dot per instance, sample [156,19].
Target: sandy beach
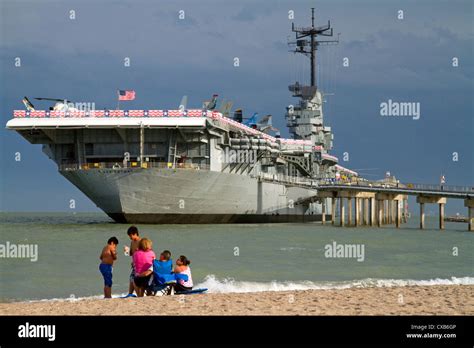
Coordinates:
[409,300]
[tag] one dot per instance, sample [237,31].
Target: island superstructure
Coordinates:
[193,165]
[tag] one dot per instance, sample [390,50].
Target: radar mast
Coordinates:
[307,42]
[305,120]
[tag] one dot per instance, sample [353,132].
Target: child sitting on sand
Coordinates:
[143,264]
[132,233]
[163,269]
[182,267]
[108,256]
[167,266]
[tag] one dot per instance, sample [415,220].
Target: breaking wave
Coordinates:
[228,285]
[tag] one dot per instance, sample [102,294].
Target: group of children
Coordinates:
[142,265]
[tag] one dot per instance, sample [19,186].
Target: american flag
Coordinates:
[126,95]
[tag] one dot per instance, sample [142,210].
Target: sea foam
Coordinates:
[229,285]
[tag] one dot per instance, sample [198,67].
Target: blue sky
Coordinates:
[404,60]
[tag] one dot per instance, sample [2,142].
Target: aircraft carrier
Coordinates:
[194,165]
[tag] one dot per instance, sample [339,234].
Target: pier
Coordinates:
[376,205]
[372,203]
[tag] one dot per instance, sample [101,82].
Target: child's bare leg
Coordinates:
[137,289]
[107,292]
[131,287]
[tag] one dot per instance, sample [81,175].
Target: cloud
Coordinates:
[251,11]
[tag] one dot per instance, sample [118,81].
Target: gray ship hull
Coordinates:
[209,218]
[191,196]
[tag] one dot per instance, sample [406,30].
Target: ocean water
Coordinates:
[231,258]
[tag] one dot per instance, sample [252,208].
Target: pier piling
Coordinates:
[349,211]
[341,211]
[366,211]
[405,211]
[397,210]
[469,203]
[388,218]
[357,212]
[323,211]
[380,213]
[422,216]
[441,216]
[372,211]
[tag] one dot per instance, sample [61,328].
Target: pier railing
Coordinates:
[368,185]
[401,186]
[450,188]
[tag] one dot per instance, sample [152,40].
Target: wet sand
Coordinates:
[409,300]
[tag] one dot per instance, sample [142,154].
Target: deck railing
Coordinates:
[292,180]
[131,165]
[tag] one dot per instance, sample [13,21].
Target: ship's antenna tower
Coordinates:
[305,120]
[307,42]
